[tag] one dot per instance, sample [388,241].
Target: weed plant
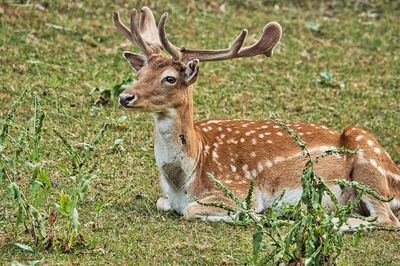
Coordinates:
[21,155]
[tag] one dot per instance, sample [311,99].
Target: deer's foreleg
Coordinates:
[164,204]
[196,210]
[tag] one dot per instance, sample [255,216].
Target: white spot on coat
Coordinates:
[214,121]
[260,167]
[279,159]
[215,155]
[206,149]
[254,173]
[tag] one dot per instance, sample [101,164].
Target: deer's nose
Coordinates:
[125,100]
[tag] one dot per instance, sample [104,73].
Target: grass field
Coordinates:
[64,49]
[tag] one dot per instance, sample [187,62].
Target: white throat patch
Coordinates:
[177,169]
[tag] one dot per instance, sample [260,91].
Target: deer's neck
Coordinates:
[177,144]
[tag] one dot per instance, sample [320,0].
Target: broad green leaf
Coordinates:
[328,76]
[314,26]
[257,239]
[85,185]
[119,142]
[64,202]
[39,198]
[34,188]
[45,179]
[121,119]
[13,191]
[24,247]
[75,219]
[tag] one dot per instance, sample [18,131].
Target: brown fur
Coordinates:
[236,150]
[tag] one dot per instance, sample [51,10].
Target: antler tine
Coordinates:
[121,26]
[137,37]
[271,35]
[133,34]
[238,42]
[148,29]
[171,49]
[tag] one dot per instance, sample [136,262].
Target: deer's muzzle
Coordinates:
[127,100]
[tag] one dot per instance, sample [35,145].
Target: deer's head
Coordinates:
[165,82]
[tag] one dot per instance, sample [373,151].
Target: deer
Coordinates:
[237,151]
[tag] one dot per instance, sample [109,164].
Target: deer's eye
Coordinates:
[170,79]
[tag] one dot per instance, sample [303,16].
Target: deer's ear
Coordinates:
[191,72]
[137,61]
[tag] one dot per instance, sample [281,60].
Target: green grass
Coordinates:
[357,43]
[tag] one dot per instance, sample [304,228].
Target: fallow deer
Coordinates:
[234,151]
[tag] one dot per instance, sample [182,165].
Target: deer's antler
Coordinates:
[146,37]
[151,40]
[271,35]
